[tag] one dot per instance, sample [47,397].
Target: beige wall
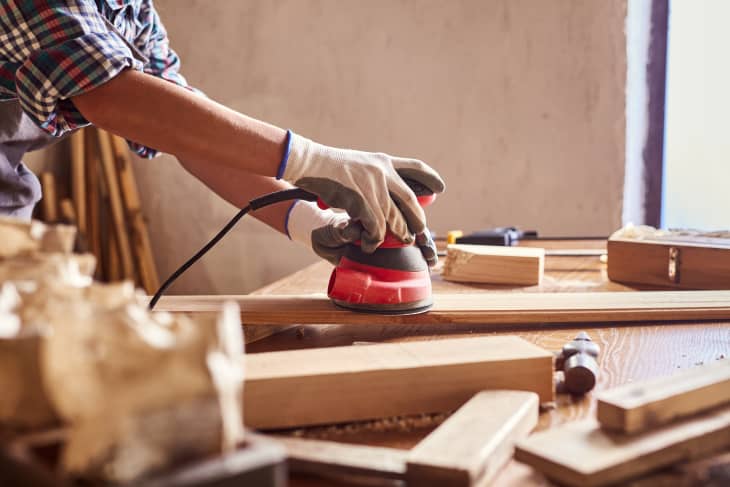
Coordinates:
[518,103]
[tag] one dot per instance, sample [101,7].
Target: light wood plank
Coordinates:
[333,459]
[337,384]
[488,308]
[640,406]
[475,442]
[115,206]
[583,454]
[494,264]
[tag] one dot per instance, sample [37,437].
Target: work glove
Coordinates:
[368,186]
[328,232]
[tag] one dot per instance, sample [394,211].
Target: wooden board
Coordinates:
[494,264]
[475,442]
[338,384]
[703,264]
[487,308]
[582,454]
[50,198]
[640,406]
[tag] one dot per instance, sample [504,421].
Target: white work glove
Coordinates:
[326,232]
[368,186]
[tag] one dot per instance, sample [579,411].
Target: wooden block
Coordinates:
[50,198]
[475,442]
[494,264]
[333,459]
[477,309]
[640,406]
[682,263]
[78,179]
[115,205]
[583,454]
[338,384]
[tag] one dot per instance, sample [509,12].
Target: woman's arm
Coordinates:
[169,118]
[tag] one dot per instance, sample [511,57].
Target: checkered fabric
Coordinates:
[51,50]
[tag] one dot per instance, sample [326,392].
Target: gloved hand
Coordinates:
[368,186]
[328,233]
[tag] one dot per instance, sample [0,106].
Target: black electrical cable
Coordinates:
[253,205]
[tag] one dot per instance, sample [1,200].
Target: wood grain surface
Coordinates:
[628,353]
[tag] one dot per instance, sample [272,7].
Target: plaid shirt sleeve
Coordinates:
[58,49]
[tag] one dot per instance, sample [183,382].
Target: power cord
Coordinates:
[253,205]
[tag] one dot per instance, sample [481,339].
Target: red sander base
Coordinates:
[377,289]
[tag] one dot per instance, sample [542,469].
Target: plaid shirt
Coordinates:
[51,50]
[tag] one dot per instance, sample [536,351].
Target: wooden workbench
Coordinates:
[629,352]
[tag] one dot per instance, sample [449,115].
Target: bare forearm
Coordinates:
[239,187]
[171,119]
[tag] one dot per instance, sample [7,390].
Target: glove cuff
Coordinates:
[304,217]
[285,160]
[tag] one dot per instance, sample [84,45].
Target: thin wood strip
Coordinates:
[78,179]
[68,214]
[133,208]
[49,201]
[93,195]
[636,407]
[486,308]
[582,454]
[115,206]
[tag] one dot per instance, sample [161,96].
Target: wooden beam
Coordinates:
[488,308]
[494,264]
[475,442]
[640,406]
[583,454]
[338,384]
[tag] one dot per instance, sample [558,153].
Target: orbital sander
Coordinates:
[395,279]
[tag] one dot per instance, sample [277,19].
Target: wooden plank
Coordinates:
[115,205]
[583,454]
[472,308]
[133,210]
[68,214]
[640,406]
[78,179]
[701,265]
[475,442]
[338,384]
[494,264]
[333,459]
[50,198]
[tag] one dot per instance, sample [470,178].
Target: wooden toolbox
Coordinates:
[673,259]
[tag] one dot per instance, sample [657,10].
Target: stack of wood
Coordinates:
[102,200]
[641,428]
